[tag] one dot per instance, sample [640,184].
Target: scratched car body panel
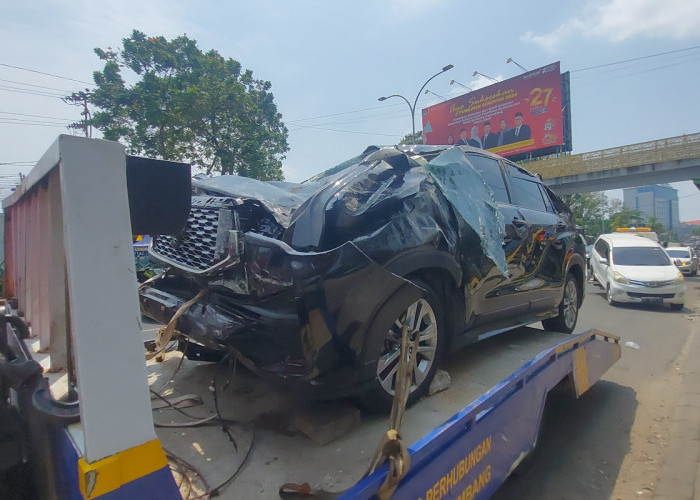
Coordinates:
[307,281]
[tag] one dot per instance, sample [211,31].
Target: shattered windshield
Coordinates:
[474,201]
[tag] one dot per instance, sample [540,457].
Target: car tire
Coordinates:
[676,307]
[565,321]
[426,319]
[608,294]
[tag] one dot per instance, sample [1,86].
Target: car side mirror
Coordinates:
[604,261]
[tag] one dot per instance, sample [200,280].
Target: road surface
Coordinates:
[635,434]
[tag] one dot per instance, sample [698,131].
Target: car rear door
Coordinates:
[543,253]
[491,295]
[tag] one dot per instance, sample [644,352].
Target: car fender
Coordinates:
[423,258]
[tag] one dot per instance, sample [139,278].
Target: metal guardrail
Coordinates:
[643,153]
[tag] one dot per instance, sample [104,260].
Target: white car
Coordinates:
[685,259]
[636,270]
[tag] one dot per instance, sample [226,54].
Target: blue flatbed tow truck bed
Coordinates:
[464,441]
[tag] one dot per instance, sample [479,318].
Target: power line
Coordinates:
[295,121]
[30,92]
[343,113]
[685,58]
[21,121]
[343,131]
[38,86]
[362,119]
[35,116]
[635,59]
[391,114]
[617,77]
[44,73]
[38,124]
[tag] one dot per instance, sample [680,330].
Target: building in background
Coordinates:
[660,201]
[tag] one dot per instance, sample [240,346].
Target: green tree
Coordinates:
[187,105]
[589,211]
[626,217]
[655,224]
[410,139]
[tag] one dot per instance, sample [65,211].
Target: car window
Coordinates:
[640,256]
[602,248]
[678,254]
[490,171]
[528,194]
[559,206]
[545,197]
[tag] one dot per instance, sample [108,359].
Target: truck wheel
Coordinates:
[426,323]
[565,321]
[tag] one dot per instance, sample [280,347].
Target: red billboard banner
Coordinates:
[518,115]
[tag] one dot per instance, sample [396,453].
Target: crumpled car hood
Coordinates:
[318,215]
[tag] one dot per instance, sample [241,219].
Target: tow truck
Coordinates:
[76,411]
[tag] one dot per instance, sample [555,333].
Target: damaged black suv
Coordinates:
[312,282]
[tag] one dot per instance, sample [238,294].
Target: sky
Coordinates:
[328,62]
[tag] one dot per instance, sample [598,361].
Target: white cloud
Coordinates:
[618,20]
[551,41]
[623,19]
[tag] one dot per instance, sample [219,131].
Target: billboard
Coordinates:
[524,115]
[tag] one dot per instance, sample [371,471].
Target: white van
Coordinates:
[632,268]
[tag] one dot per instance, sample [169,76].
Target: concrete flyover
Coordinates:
[654,162]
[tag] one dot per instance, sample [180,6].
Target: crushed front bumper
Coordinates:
[305,317]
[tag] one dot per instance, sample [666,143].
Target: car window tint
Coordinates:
[678,254]
[545,197]
[601,248]
[640,256]
[527,194]
[491,173]
[559,206]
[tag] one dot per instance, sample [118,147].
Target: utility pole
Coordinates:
[81,99]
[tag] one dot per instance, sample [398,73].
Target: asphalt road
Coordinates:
[634,433]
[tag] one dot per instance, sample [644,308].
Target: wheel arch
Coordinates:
[577,271]
[418,260]
[577,268]
[436,269]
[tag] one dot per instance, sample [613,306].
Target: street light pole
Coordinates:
[409,107]
[413,107]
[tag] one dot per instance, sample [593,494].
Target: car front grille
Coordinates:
[196,247]
[651,284]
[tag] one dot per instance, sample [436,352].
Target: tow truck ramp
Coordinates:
[466,440]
